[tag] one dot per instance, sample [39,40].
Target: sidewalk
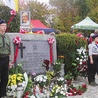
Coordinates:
[92,92]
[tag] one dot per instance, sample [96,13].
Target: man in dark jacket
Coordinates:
[5,51]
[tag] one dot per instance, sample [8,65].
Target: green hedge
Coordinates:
[67,44]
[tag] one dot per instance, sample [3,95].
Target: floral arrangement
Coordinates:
[50,75]
[81,61]
[16,80]
[16,75]
[28,91]
[41,80]
[57,91]
[78,90]
[60,81]
[25,31]
[61,93]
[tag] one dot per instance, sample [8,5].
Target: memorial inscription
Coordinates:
[33,54]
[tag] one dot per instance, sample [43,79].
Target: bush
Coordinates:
[66,46]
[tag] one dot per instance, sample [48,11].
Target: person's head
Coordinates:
[96,31]
[3,26]
[25,17]
[95,37]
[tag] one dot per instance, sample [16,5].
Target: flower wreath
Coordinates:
[78,90]
[12,13]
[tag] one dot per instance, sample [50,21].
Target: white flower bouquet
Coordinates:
[81,61]
[60,81]
[58,92]
[41,80]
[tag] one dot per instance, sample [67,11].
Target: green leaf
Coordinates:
[74,64]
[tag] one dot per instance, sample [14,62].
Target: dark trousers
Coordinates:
[4,63]
[92,68]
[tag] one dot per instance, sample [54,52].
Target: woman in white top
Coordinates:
[93,60]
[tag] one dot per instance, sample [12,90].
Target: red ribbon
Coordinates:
[51,41]
[17,41]
[16,54]
[11,18]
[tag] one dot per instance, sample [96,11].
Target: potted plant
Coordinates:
[69,78]
[57,67]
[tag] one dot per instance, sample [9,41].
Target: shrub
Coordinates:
[67,44]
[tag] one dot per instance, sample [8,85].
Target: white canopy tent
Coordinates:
[86,24]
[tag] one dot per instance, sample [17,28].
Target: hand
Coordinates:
[10,65]
[91,61]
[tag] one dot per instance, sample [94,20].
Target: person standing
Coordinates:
[93,60]
[5,51]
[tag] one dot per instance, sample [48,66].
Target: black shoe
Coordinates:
[93,84]
[96,83]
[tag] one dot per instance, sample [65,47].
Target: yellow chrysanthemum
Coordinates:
[12,84]
[51,94]
[19,74]
[53,91]
[14,75]
[15,79]
[19,78]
